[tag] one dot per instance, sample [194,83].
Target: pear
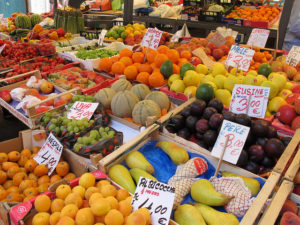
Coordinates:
[136,173]
[177,154]
[215,217]
[203,191]
[120,174]
[252,184]
[188,215]
[137,160]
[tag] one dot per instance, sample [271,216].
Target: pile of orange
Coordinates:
[261,13]
[259,58]
[89,203]
[135,66]
[21,178]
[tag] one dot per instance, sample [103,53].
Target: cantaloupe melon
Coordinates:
[104,96]
[123,103]
[160,98]
[145,109]
[121,85]
[141,90]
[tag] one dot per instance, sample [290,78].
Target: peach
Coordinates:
[289,206]
[277,66]
[291,72]
[289,218]
[296,77]
[297,178]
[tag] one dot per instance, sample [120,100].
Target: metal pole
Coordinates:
[128,11]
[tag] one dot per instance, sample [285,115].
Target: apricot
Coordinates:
[125,207]
[87,180]
[41,219]
[69,210]
[108,190]
[84,217]
[62,191]
[136,218]
[90,191]
[102,183]
[122,194]
[289,206]
[94,197]
[79,190]
[146,214]
[100,207]
[114,217]
[113,202]
[65,220]
[74,198]
[57,205]
[54,218]
[289,218]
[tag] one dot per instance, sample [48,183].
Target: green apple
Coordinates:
[172,78]
[272,86]
[219,81]
[177,86]
[191,78]
[218,68]
[284,93]
[230,82]
[224,96]
[275,104]
[250,80]
[200,68]
[278,79]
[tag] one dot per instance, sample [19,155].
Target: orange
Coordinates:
[3,157]
[181,61]
[151,55]
[126,60]
[138,57]
[105,64]
[7,165]
[44,179]
[163,49]
[160,59]
[8,183]
[118,68]
[42,203]
[62,191]
[13,189]
[156,79]
[176,69]
[125,52]
[31,191]
[18,178]
[115,59]
[12,171]
[143,77]
[186,54]
[23,159]
[43,187]
[40,170]
[70,176]
[57,205]
[87,180]
[14,156]
[130,72]
[14,197]
[62,168]
[26,152]
[26,184]
[3,176]
[54,178]
[145,68]
[258,56]
[173,55]
[3,194]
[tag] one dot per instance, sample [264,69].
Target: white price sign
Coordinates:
[80,110]
[152,38]
[237,135]
[251,100]
[258,37]
[155,196]
[240,57]
[101,37]
[293,57]
[50,153]
[217,39]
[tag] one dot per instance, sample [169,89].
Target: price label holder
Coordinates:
[217,39]
[239,57]
[293,57]
[155,196]
[80,110]
[50,153]
[2,47]
[232,136]
[101,37]
[258,37]
[251,100]
[152,38]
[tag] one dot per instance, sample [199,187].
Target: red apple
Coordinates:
[195,61]
[5,95]
[296,123]
[297,105]
[203,41]
[291,98]
[286,114]
[218,53]
[296,88]
[99,80]
[225,48]
[211,46]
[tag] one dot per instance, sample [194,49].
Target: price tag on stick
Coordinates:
[251,100]
[80,110]
[258,37]
[50,153]
[101,37]
[155,196]
[217,39]
[237,135]
[293,57]
[240,57]
[152,38]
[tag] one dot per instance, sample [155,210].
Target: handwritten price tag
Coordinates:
[237,137]
[155,196]
[217,39]
[251,100]
[293,57]
[152,38]
[81,110]
[258,37]
[240,57]
[50,153]
[101,37]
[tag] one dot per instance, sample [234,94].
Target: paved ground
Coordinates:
[9,126]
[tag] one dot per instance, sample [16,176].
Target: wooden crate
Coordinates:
[295,165]
[32,116]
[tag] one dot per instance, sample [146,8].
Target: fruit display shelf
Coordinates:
[31,117]
[28,139]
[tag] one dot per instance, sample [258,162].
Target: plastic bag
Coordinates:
[116,5]
[140,4]
[105,5]
[104,147]
[28,101]
[33,82]
[18,94]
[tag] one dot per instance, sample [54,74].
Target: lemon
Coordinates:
[230,82]
[260,79]
[285,93]
[288,85]
[191,78]
[201,77]
[252,72]
[240,79]
[218,68]
[250,80]
[219,81]
[190,91]
[200,68]
[278,79]
[236,73]
[177,86]
[209,78]
[172,78]
[273,88]
[224,96]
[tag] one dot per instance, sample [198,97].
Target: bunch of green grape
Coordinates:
[94,137]
[81,98]
[47,117]
[62,125]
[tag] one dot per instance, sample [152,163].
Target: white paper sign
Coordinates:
[254,96]
[217,39]
[237,137]
[152,38]
[258,37]
[50,153]
[157,197]
[80,110]
[293,57]
[240,57]
[4,21]
[101,37]
[2,47]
